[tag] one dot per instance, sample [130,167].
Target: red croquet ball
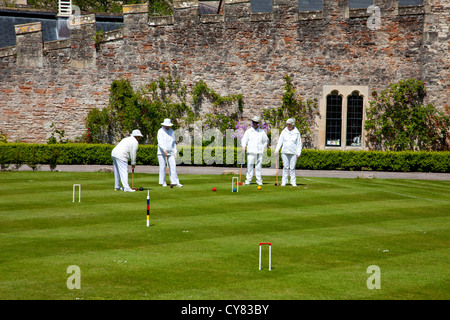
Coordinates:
[214,189]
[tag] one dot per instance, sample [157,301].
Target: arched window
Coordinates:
[342,116]
[334,120]
[354,119]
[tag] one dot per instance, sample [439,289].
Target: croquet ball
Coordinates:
[259,188]
[234,189]
[214,189]
[141,188]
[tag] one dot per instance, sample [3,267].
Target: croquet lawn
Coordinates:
[201,244]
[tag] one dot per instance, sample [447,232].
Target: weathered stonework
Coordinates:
[237,52]
[83,53]
[29,45]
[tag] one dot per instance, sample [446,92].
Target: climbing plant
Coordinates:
[398,120]
[143,109]
[293,106]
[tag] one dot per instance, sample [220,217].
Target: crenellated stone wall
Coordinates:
[237,52]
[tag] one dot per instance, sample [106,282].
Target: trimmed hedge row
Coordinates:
[401,161]
[405,161]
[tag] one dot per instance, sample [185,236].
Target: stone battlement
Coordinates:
[187,12]
[234,52]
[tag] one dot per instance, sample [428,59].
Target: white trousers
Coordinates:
[254,166]
[172,169]
[120,173]
[289,162]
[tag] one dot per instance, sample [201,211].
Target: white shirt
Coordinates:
[254,141]
[291,141]
[166,142]
[126,149]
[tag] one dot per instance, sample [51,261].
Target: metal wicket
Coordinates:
[270,254]
[235,184]
[79,192]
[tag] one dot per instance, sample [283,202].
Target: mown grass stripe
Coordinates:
[204,245]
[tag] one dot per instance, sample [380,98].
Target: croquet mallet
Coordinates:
[276,161]
[240,174]
[168,169]
[132,179]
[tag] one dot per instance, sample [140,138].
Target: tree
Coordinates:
[160,7]
[398,120]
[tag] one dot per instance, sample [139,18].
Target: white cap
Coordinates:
[290,121]
[167,123]
[136,133]
[256,119]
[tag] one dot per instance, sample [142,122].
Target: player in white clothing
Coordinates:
[254,142]
[167,152]
[126,149]
[291,141]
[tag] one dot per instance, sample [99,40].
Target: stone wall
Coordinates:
[237,52]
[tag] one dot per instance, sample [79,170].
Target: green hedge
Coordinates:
[13,153]
[406,161]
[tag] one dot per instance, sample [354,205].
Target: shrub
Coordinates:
[398,120]
[142,109]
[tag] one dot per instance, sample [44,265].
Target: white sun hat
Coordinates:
[290,121]
[167,123]
[256,119]
[136,133]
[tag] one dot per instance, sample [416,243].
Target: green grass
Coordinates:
[325,233]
